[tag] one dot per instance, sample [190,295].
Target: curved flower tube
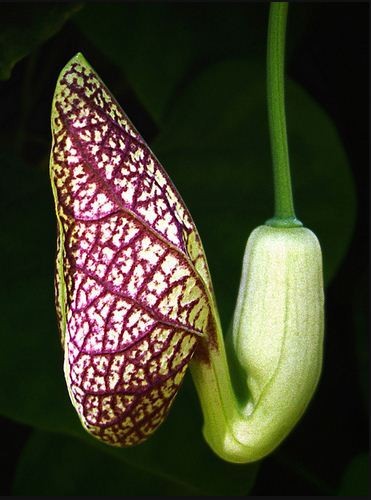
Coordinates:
[277,339]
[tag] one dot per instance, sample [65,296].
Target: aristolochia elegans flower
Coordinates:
[134,297]
[132,285]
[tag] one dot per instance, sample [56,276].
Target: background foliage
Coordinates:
[192,79]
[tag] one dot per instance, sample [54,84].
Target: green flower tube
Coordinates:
[277,338]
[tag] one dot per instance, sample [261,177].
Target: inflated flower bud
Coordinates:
[278,331]
[132,284]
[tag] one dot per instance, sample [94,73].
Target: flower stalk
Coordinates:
[284,204]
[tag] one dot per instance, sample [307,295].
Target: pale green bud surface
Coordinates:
[278,328]
[278,341]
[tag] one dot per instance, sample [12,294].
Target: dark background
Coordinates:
[331,61]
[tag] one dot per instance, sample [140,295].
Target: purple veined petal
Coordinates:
[133,290]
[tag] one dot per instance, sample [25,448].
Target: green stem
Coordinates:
[284,205]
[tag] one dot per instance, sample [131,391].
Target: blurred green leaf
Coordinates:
[215,146]
[33,390]
[145,43]
[57,465]
[355,481]
[23,29]
[160,46]
[23,178]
